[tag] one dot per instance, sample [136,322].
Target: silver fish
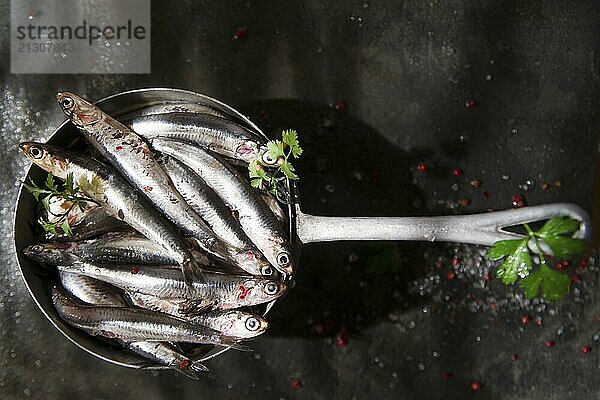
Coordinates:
[132,157]
[275,207]
[134,324]
[214,133]
[238,324]
[91,291]
[167,108]
[216,214]
[98,293]
[173,306]
[255,217]
[114,194]
[116,247]
[218,291]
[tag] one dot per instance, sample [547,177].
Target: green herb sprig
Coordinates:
[52,189]
[517,258]
[265,177]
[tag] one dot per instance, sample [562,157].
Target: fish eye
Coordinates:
[36,248]
[266,157]
[283,258]
[267,271]
[252,324]
[271,288]
[67,103]
[36,152]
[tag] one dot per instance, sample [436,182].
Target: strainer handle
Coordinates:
[482,229]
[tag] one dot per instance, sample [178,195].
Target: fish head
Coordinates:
[280,257]
[265,290]
[49,158]
[240,324]
[253,262]
[81,112]
[50,253]
[247,151]
[266,157]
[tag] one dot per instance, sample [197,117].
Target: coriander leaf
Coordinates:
[564,247]
[50,183]
[517,263]
[288,170]
[557,226]
[531,284]
[503,248]
[275,149]
[66,228]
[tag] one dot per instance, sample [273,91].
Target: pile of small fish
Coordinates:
[174,240]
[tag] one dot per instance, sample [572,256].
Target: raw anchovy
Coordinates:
[127,247]
[214,133]
[216,214]
[238,324]
[167,108]
[92,222]
[94,292]
[107,188]
[275,207]
[91,291]
[173,306]
[134,324]
[219,291]
[125,150]
[257,220]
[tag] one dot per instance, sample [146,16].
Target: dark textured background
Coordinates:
[403,70]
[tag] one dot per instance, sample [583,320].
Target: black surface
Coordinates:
[404,71]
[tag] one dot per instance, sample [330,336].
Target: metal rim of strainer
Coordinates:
[24,220]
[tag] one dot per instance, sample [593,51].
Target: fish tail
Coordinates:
[234,344]
[191,369]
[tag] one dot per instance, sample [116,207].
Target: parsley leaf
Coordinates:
[275,149]
[554,284]
[561,246]
[270,177]
[69,193]
[288,170]
[503,248]
[517,263]
[290,137]
[558,226]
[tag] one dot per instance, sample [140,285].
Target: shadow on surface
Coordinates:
[347,169]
